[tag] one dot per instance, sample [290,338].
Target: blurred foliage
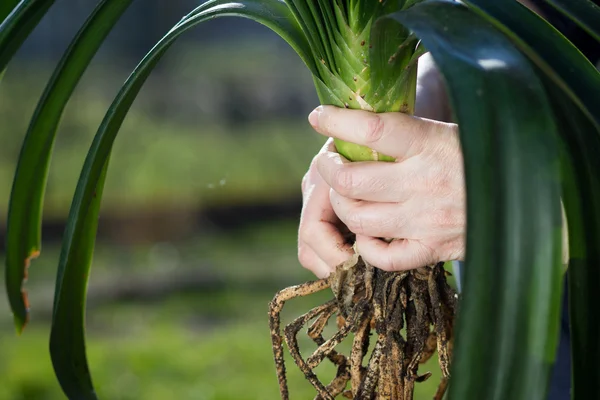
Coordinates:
[207,132]
[166,360]
[203,345]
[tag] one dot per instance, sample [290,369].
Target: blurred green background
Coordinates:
[200,212]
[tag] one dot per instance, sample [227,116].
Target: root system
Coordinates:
[410,314]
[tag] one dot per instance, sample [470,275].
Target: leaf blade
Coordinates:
[23,240]
[582,199]
[19,25]
[511,167]
[583,12]
[6,8]
[67,344]
[572,71]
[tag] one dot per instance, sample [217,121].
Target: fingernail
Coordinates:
[313,117]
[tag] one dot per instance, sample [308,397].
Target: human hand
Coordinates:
[321,243]
[419,200]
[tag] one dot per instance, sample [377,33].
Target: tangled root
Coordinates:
[410,312]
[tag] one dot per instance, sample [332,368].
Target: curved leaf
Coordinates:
[303,16]
[577,109]
[582,204]
[6,7]
[584,13]
[17,27]
[548,49]
[67,340]
[507,329]
[23,240]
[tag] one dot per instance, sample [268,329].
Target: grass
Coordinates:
[158,358]
[204,345]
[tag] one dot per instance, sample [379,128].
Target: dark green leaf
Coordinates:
[579,118]
[6,6]
[548,49]
[583,12]
[17,27]
[577,107]
[67,337]
[25,211]
[507,330]
[581,195]
[67,343]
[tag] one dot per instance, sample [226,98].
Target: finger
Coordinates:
[371,181]
[368,218]
[399,255]
[309,260]
[327,241]
[320,227]
[397,134]
[316,204]
[312,176]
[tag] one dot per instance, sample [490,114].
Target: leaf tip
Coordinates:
[20,322]
[21,317]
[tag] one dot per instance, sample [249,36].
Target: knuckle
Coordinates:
[304,256]
[375,128]
[308,233]
[355,223]
[444,218]
[303,234]
[344,181]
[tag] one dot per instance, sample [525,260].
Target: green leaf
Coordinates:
[548,49]
[577,109]
[67,341]
[311,31]
[581,195]
[6,6]
[320,16]
[23,239]
[17,27]
[583,12]
[393,75]
[67,336]
[507,329]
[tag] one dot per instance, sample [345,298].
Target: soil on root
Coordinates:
[410,314]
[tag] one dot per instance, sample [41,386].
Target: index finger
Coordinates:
[396,134]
